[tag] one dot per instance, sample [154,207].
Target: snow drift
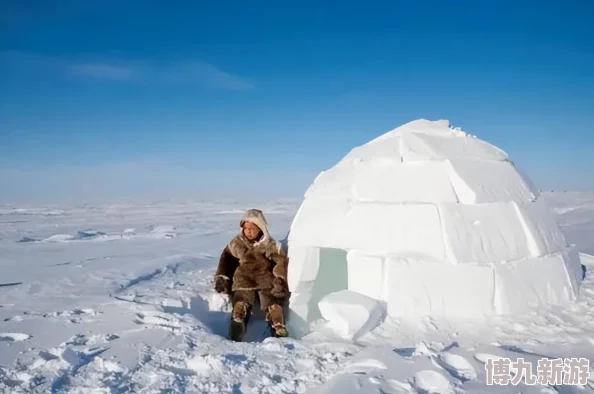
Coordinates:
[431,221]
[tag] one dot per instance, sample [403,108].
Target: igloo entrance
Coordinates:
[330,270]
[338,293]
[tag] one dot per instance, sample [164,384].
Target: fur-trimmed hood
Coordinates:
[256,217]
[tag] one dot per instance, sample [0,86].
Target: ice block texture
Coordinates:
[351,314]
[433,221]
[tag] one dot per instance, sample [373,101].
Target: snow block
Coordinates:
[542,230]
[417,288]
[484,233]
[428,146]
[573,265]
[387,150]
[404,182]
[526,284]
[366,274]
[395,228]
[480,181]
[441,126]
[306,262]
[334,182]
[321,222]
[71,356]
[298,314]
[351,314]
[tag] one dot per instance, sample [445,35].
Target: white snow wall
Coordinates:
[433,222]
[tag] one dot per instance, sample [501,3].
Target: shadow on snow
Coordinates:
[218,321]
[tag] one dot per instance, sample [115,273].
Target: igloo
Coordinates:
[431,221]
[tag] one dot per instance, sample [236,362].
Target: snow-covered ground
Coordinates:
[118,298]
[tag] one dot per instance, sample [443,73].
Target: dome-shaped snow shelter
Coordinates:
[431,221]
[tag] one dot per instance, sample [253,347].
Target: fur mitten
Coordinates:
[222,285]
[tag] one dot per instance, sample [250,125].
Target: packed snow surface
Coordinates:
[129,307]
[434,222]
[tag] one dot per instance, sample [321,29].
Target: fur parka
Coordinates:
[253,265]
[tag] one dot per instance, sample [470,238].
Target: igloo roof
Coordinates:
[424,161]
[430,190]
[422,140]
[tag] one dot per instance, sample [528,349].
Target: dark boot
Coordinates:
[239,320]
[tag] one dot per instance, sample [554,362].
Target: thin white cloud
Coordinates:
[203,74]
[187,72]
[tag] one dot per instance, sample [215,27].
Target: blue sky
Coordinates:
[100,99]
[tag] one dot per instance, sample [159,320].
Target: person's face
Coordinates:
[251,231]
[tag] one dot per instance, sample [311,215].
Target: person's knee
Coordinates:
[267,300]
[240,311]
[244,296]
[275,307]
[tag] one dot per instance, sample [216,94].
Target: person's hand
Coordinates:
[222,285]
[279,288]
